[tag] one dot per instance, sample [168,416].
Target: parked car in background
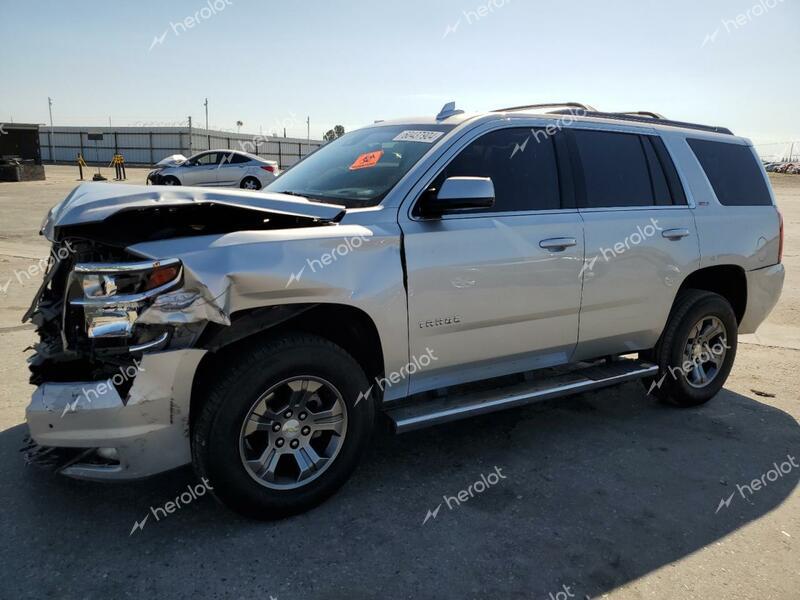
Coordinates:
[222,168]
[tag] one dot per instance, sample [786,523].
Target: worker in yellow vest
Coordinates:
[118,162]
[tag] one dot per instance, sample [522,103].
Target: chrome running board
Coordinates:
[538,386]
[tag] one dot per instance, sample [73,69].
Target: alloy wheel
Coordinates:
[293,432]
[704,351]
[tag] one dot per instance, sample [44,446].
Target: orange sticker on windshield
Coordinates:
[366,160]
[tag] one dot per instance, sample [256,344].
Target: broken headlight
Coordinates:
[113,296]
[128,282]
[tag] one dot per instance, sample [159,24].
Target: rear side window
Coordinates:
[658,180]
[733,172]
[522,165]
[237,159]
[678,195]
[615,169]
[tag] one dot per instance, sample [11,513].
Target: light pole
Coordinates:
[206,105]
[50,137]
[308,134]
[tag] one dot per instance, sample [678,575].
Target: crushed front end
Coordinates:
[119,331]
[113,390]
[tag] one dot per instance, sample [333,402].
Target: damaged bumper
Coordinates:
[154,177]
[145,433]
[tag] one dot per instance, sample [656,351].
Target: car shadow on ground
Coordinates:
[595,491]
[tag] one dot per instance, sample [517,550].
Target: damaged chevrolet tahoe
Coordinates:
[425,270]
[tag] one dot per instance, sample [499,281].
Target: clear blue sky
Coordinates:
[351,62]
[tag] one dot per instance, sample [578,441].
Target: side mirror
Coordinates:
[460,194]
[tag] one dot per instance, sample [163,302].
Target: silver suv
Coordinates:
[424,270]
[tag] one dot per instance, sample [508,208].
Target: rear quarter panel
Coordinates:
[745,236]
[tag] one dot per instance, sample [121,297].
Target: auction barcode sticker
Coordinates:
[426,137]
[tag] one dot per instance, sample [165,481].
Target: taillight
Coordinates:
[269,168]
[780,244]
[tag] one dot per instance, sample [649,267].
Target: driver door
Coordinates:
[490,292]
[202,169]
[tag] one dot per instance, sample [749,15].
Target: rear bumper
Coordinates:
[149,430]
[764,288]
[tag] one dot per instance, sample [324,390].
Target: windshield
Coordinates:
[360,168]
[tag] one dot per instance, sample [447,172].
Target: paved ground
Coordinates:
[606,493]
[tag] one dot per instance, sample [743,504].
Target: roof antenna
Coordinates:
[448,110]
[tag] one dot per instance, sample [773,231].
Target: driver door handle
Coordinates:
[675,234]
[558,244]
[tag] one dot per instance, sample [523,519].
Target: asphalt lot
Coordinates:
[607,493]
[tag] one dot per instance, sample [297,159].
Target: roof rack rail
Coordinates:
[641,113]
[579,105]
[642,118]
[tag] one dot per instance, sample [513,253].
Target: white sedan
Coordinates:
[222,168]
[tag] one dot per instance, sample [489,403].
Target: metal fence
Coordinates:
[148,145]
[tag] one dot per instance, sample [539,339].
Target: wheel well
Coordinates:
[729,281]
[346,326]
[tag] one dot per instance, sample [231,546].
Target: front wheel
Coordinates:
[283,429]
[170,180]
[696,352]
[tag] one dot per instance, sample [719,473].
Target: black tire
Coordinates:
[253,181]
[672,384]
[170,180]
[255,369]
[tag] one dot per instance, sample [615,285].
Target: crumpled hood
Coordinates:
[172,161]
[95,202]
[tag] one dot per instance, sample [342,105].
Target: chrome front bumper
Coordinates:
[149,430]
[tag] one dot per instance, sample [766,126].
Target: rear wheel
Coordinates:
[282,429]
[696,351]
[250,183]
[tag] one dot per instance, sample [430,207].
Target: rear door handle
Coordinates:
[675,234]
[558,244]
